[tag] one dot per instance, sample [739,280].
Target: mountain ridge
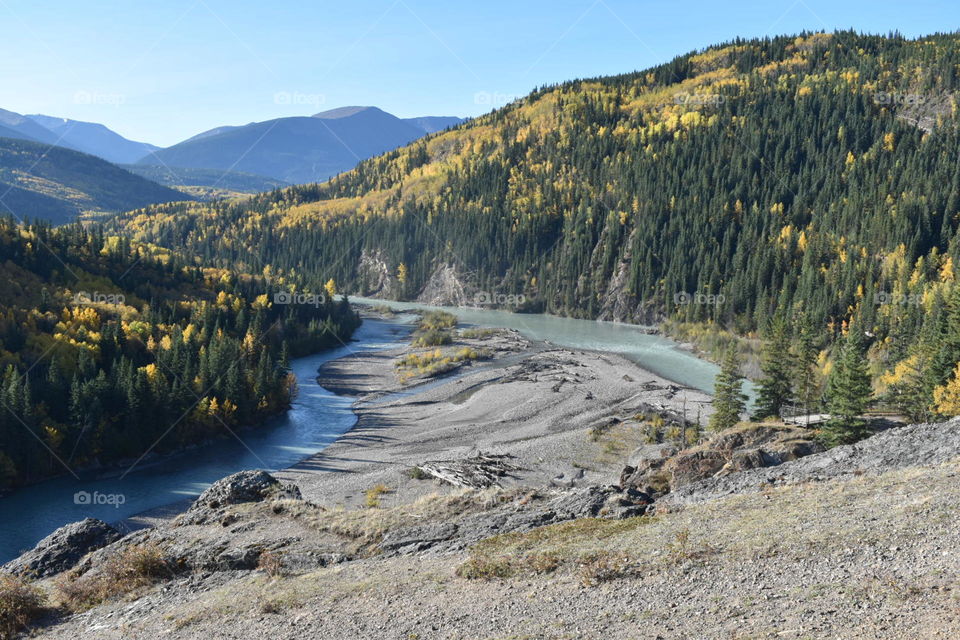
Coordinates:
[298,149]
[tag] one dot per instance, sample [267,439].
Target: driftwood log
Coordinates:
[478,472]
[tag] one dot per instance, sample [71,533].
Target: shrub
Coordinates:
[603,566]
[475,333]
[486,568]
[432,338]
[134,567]
[20,604]
[437,320]
[374,493]
[416,473]
[270,563]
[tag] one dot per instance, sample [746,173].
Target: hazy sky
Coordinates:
[164,72]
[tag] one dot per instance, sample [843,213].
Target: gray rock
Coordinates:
[245,486]
[63,548]
[897,448]
[413,539]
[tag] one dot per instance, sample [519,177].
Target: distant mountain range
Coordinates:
[299,149]
[56,168]
[94,139]
[88,137]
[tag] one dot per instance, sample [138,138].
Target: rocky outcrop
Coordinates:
[517,516]
[445,287]
[896,448]
[245,486]
[660,469]
[63,548]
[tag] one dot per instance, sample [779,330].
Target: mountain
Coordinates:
[811,178]
[299,149]
[94,139]
[432,124]
[18,126]
[39,181]
[205,184]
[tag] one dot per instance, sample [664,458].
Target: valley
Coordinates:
[639,347]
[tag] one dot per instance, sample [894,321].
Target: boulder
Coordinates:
[245,486]
[63,548]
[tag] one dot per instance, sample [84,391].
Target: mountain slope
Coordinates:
[94,139]
[57,184]
[205,182]
[432,124]
[26,129]
[813,177]
[106,343]
[294,150]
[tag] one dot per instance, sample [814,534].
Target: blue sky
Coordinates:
[164,72]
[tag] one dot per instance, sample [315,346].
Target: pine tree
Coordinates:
[776,363]
[729,400]
[848,392]
[805,378]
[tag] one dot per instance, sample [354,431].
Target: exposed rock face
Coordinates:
[587,502]
[659,469]
[63,548]
[245,486]
[375,276]
[445,287]
[897,448]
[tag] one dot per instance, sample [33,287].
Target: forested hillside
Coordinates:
[811,177]
[110,350]
[43,182]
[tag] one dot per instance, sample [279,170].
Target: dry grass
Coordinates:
[373,495]
[126,571]
[270,563]
[370,525]
[797,521]
[20,604]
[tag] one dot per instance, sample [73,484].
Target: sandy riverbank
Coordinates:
[533,401]
[530,400]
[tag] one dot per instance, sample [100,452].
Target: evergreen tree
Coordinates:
[848,392]
[729,400]
[776,364]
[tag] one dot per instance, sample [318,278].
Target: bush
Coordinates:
[604,566]
[373,495]
[436,320]
[485,568]
[134,567]
[270,563]
[20,604]
[432,338]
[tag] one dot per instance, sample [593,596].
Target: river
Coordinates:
[315,420]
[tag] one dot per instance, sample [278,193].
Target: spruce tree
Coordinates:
[848,392]
[776,364]
[729,400]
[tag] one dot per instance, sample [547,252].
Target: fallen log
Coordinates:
[478,472]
